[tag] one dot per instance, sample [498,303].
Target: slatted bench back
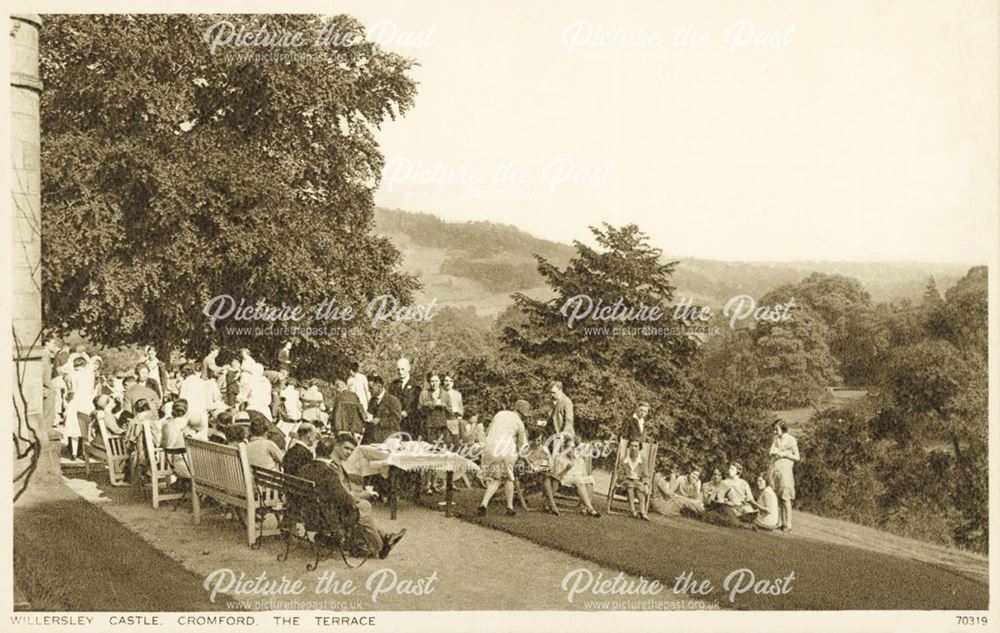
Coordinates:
[159,466]
[221,471]
[160,470]
[116,444]
[269,486]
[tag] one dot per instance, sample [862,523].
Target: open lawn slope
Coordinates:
[827,576]
[71,556]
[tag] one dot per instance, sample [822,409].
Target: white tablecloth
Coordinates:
[375,459]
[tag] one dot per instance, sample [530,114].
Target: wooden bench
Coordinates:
[112,450]
[297,512]
[223,473]
[160,473]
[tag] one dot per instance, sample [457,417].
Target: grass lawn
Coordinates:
[827,576]
[71,556]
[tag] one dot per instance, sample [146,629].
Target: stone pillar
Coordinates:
[26,246]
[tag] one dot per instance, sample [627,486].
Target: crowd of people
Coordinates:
[294,427]
[545,450]
[728,500]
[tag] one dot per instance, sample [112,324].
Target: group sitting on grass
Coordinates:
[728,501]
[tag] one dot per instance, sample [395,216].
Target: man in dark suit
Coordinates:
[562,410]
[337,506]
[636,427]
[285,357]
[385,413]
[407,392]
[348,414]
[300,452]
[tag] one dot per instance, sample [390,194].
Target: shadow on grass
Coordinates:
[827,576]
[71,556]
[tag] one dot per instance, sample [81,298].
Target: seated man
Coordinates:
[300,452]
[135,391]
[337,505]
[346,442]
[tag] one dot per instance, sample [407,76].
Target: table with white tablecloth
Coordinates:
[387,460]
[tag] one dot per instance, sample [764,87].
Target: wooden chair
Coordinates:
[111,450]
[222,472]
[648,451]
[159,474]
[568,493]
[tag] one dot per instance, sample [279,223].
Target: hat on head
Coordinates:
[522,408]
[312,394]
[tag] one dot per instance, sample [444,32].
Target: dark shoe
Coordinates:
[481,511]
[390,541]
[595,514]
[396,538]
[510,512]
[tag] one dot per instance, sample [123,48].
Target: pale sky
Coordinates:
[800,129]
[869,132]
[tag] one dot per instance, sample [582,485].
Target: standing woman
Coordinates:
[80,406]
[434,413]
[432,408]
[784,453]
[505,440]
[157,372]
[455,410]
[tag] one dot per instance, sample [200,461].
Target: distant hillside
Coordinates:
[717,280]
[480,264]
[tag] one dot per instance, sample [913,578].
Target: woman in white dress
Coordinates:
[259,395]
[82,390]
[505,441]
[784,453]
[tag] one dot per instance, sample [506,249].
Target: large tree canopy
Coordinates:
[852,329]
[607,372]
[172,174]
[912,457]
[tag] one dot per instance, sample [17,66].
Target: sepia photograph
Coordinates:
[452,316]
